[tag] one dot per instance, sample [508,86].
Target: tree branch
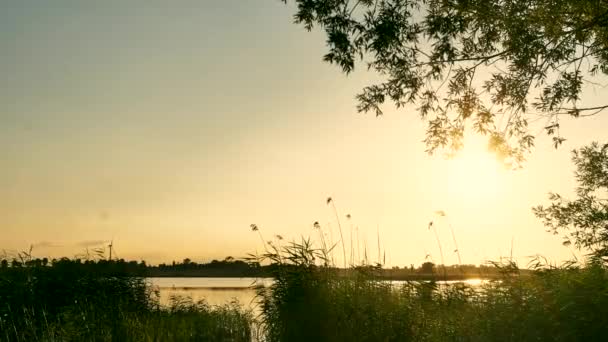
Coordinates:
[573,111]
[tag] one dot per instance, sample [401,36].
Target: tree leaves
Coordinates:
[512,60]
[584,220]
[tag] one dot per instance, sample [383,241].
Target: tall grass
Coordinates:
[311,300]
[63,303]
[331,202]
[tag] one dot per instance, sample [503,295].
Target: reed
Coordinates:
[311,301]
[60,302]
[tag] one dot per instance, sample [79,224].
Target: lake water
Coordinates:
[216,291]
[219,291]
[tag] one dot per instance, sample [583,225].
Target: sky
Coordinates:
[170,127]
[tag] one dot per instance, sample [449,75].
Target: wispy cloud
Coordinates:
[91,243]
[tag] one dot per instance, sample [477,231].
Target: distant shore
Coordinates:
[411,277]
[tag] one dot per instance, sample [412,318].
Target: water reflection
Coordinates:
[216,291]
[219,291]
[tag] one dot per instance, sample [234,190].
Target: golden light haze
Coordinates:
[170,129]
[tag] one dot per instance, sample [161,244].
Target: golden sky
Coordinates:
[171,128]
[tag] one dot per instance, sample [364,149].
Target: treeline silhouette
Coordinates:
[228,267]
[99,267]
[231,267]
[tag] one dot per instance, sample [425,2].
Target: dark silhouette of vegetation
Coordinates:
[71,300]
[309,301]
[229,267]
[584,220]
[492,65]
[427,267]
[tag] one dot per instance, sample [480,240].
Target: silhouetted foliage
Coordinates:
[427,267]
[584,220]
[310,301]
[492,65]
[104,300]
[228,267]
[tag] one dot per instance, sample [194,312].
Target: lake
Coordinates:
[219,291]
[216,291]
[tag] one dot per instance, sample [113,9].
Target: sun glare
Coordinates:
[474,175]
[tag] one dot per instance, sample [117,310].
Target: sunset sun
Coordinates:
[474,174]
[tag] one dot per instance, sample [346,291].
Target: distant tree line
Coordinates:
[101,267]
[229,267]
